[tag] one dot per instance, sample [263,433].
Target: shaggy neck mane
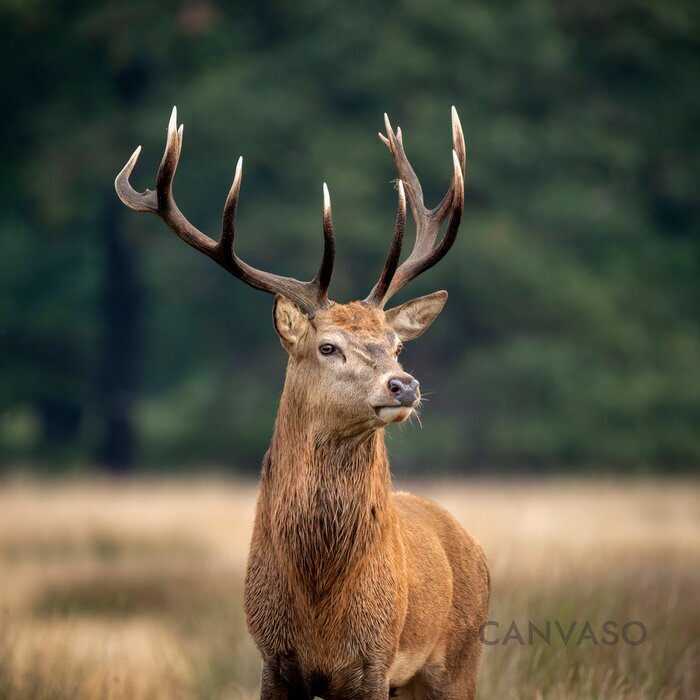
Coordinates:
[326,497]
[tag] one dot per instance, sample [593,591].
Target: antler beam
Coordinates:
[310,296]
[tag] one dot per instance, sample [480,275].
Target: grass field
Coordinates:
[133,591]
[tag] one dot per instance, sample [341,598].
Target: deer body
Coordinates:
[391,608]
[352,591]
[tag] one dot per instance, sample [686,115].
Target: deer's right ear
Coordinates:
[414,317]
[291,323]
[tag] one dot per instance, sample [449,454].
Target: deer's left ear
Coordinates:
[414,317]
[291,323]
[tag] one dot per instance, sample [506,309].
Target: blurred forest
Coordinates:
[571,339]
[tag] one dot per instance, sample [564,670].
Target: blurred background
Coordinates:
[571,340]
[563,376]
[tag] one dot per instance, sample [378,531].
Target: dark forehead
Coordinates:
[357,320]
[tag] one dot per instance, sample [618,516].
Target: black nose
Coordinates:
[404,390]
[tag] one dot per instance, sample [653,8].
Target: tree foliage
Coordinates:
[571,336]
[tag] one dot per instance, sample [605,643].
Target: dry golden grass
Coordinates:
[133,591]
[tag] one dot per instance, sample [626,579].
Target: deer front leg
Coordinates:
[373,691]
[377,692]
[274,687]
[373,686]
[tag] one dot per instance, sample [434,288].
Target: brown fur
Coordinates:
[358,318]
[352,590]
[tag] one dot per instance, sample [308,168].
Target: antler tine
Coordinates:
[380,289]
[414,265]
[161,201]
[228,220]
[310,296]
[424,255]
[394,142]
[460,148]
[325,271]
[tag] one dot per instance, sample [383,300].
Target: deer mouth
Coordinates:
[393,414]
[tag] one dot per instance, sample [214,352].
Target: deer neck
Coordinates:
[324,498]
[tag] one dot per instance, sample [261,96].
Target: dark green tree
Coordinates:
[570,338]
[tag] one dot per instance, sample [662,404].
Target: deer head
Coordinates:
[343,373]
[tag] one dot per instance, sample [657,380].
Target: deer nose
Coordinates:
[404,390]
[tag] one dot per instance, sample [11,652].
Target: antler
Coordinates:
[310,296]
[428,221]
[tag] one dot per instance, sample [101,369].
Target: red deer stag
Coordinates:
[351,591]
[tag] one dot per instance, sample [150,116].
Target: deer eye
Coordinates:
[398,350]
[327,349]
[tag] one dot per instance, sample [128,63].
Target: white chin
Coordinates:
[394,414]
